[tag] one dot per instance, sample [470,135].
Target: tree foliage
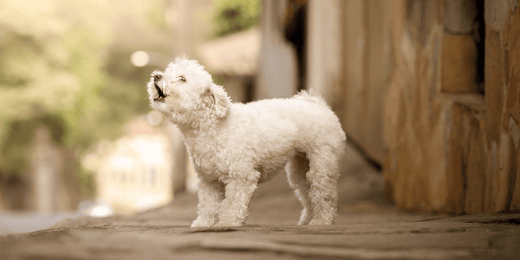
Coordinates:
[235,15]
[53,57]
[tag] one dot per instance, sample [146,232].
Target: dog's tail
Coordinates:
[310,96]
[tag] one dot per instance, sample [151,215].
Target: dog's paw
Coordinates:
[316,222]
[305,218]
[202,223]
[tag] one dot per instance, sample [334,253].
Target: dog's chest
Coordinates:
[208,163]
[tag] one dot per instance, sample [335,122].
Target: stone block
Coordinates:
[495,13]
[453,197]
[512,102]
[513,4]
[419,171]
[515,201]
[466,157]
[439,167]
[514,184]
[491,172]
[465,153]
[422,17]
[398,22]
[459,64]
[514,131]
[475,165]
[414,129]
[504,31]
[506,173]
[494,84]
[459,16]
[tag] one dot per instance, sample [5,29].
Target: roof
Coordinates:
[234,54]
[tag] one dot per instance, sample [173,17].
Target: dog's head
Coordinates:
[185,93]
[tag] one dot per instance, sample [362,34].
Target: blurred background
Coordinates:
[77,134]
[427,92]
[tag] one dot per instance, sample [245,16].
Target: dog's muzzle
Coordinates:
[160,93]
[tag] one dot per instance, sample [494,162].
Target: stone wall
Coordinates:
[428,89]
[503,103]
[452,145]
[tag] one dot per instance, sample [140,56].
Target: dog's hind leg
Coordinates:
[323,176]
[296,169]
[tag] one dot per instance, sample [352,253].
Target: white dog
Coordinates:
[235,146]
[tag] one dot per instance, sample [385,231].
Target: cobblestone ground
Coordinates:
[367,227]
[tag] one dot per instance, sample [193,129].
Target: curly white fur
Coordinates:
[235,146]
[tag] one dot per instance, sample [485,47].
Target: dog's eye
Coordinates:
[181,78]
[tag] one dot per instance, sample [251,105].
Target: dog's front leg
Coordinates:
[210,195]
[234,208]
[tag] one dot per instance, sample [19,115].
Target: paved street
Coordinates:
[27,222]
[164,235]
[367,227]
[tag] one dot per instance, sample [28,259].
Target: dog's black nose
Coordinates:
[157,77]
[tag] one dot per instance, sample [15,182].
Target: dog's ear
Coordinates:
[216,98]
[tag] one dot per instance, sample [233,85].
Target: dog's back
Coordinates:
[310,96]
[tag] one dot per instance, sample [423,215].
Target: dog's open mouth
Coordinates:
[161,94]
